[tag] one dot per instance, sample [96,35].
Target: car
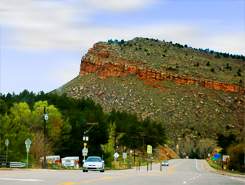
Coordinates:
[165,163]
[93,163]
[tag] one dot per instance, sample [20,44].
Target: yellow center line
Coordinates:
[104,178]
[171,169]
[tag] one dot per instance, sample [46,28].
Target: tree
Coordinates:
[237,154]
[39,148]
[14,127]
[205,146]
[225,141]
[56,126]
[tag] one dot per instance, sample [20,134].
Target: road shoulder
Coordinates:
[208,168]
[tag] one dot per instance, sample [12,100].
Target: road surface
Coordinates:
[179,171]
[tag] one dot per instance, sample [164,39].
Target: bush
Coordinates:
[208,63]
[227,66]
[237,154]
[239,72]
[212,70]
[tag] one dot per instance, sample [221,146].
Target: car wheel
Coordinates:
[102,170]
[84,170]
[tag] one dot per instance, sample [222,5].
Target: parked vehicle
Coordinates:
[70,161]
[51,159]
[93,163]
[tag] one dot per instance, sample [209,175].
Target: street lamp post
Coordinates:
[86,138]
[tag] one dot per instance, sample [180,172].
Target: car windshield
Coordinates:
[93,159]
[165,161]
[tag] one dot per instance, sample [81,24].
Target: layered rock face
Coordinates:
[99,59]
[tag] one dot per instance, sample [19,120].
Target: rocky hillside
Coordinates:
[194,93]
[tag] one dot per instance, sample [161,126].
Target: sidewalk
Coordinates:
[208,168]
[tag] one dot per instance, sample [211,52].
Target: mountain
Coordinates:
[195,93]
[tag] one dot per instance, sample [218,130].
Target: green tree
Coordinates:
[57,128]
[14,127]
[237,154]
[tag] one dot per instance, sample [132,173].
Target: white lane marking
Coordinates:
[197,167]
[184,182]
[20,179]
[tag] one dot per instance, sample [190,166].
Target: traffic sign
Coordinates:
[224,157]
[217,156]
[124,155]
[46,116]
[149,149]
[227,159]
[85,151]
[28,142]
[116,155]
[6,142]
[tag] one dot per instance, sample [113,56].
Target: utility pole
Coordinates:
[143,135]
[44,132]
[45,117]
[134,148]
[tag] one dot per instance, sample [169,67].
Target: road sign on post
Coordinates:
[28,144]
[116,155]
[46,117]
[227,159]
[149,149]
[85,151]
[7,144]
[124,155]
[225,156]
[217,156]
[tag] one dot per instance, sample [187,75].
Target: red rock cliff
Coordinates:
[99,59]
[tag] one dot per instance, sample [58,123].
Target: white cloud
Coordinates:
[45,25]
[121,5]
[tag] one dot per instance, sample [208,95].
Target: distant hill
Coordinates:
[195,93]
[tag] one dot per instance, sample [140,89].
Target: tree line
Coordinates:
[22,117]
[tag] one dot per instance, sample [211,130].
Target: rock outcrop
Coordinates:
[99,59]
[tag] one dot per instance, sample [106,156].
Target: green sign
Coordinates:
[157,151]
[214,159]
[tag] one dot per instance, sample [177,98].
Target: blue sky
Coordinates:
[43,41]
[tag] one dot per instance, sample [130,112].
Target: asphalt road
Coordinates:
[179,171]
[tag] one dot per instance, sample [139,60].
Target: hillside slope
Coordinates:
[194,93]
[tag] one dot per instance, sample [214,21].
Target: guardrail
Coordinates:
[4,165]
[17,165]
